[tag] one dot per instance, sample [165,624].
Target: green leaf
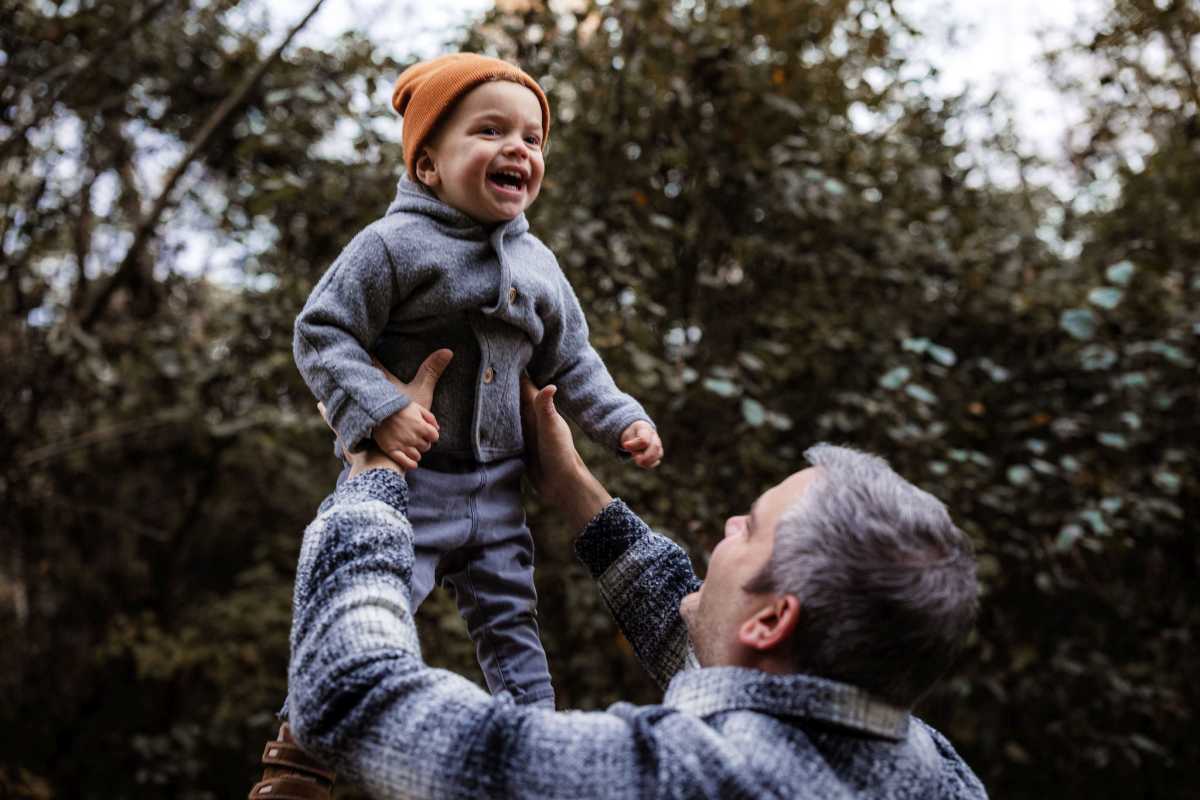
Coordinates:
[943,355]
[1168,481]
[750,361]
[1019,475]
[1105,297]
[1120,273]
[779,421]
[1097,357]
[895,378]
[1095,521]
[920,393]
[722,387]
[1067,537]
[752,412]
[1079,323]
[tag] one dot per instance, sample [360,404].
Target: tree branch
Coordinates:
[145,229]
[101,51]
[1179,48]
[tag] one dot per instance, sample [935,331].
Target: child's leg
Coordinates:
[438,511]
[492,579]
[439,508]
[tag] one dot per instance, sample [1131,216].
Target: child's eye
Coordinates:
[534,141]
[490,131]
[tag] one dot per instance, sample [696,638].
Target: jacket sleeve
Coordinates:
[587,392]
[642,577]
[334,332]
[362,699]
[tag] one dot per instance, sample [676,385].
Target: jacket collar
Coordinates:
[712,690]
[413,196]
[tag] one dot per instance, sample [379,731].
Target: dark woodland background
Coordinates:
[759,272]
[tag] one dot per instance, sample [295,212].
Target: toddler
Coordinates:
[452,265]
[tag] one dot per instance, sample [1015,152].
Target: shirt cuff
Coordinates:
[609,534]
[384,485]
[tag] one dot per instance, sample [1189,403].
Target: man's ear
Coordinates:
[426,169]
[771,625]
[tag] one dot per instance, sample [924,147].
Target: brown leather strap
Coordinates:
[286,787]
[290,756]
[289,773]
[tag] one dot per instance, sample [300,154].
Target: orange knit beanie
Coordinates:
[427,90]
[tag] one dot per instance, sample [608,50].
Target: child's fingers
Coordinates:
[406,457]
[654,452]
[649,455]
[428,416]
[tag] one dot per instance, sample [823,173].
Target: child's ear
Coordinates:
[426,169]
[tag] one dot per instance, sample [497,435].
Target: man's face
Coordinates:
[715,614]
[487,161]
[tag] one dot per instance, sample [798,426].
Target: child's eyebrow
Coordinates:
[495,115]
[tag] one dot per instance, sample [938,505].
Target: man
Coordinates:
[828,610]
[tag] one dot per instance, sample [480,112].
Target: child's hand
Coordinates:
[368,458]
[641,441]
[408,433]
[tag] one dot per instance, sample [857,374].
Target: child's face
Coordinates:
[486,161]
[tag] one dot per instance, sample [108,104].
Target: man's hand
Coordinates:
[641,441]
[411,431]
[420,388]
[555,467]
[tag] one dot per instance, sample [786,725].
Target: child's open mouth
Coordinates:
[507,181]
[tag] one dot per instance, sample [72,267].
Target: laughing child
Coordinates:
[452,265]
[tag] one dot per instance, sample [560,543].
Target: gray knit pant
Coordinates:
[471,538]
[470,534]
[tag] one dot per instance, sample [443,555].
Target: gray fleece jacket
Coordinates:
[427,276]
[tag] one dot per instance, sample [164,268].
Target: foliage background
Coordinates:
[760,271]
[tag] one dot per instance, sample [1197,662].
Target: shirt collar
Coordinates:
[712,690]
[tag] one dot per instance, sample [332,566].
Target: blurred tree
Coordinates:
[779,238]
[163,453]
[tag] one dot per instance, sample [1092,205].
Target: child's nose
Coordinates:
[514,145]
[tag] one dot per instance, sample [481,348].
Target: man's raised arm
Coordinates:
[642,575]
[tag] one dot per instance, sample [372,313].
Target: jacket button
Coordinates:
[489,375]
[512,295]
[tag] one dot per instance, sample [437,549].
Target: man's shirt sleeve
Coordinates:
[362,699]
[642,576]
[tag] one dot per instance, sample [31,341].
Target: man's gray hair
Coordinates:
[886,581]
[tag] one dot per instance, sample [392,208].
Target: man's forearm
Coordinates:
[642,577]
[582,497]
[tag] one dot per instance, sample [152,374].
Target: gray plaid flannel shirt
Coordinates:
[363,699]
